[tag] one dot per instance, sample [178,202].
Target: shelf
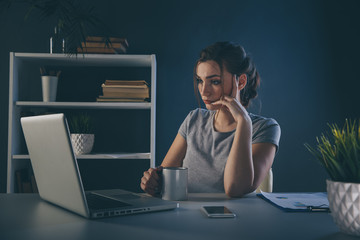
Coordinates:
[109,60]
[93,105]
[99,156]
[24,99]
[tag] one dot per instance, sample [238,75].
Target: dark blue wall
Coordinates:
[306,52]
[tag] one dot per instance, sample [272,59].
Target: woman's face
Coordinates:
[209,80]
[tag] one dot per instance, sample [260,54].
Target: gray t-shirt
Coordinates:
[208,150]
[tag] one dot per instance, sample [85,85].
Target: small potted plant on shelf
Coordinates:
[49,82]
[339,153]
[81,133]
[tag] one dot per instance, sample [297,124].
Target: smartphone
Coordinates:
[217,212]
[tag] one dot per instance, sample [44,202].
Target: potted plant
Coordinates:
[49,82]
[73,21]
[339,153]
[81,133]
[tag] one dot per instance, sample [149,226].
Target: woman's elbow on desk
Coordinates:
[237,193]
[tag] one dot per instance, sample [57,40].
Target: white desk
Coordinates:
[26,216]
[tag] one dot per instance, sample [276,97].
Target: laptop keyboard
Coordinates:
[97,202]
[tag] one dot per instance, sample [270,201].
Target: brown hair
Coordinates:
[233,57]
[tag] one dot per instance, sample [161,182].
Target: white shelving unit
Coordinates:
[20,62]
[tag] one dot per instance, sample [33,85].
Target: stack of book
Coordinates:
[124,91]
[100,45]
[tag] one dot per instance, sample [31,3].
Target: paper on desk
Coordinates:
[298,201]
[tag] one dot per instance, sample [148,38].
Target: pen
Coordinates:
[318,209]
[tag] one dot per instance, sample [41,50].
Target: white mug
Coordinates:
[174,183]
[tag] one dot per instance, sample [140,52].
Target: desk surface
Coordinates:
[26,216]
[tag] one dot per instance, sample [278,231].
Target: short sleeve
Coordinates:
[184,127]
[267,131]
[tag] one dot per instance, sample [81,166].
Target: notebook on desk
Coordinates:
[58,178]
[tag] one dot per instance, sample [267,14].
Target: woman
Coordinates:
[225,148]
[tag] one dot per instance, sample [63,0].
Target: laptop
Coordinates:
[58,178]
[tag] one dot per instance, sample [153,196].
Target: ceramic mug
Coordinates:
[174,183]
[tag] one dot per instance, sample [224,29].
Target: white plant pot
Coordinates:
[49,88]
[82,143]
[344,200]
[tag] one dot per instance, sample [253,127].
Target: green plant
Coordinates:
[339,152]
[80,123]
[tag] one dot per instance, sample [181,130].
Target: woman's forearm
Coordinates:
[239,168]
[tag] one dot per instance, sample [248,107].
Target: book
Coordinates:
[104,99]
[95,44]
[124,90]
[101,45]
[126,82]
[125,95]
[124,86]
[103,39]
[100,50]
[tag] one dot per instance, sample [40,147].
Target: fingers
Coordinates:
[225,100]
[159,169]
[235,86]
[151,181]
[232,105]
[218,102]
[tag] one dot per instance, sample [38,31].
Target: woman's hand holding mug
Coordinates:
[151,181]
